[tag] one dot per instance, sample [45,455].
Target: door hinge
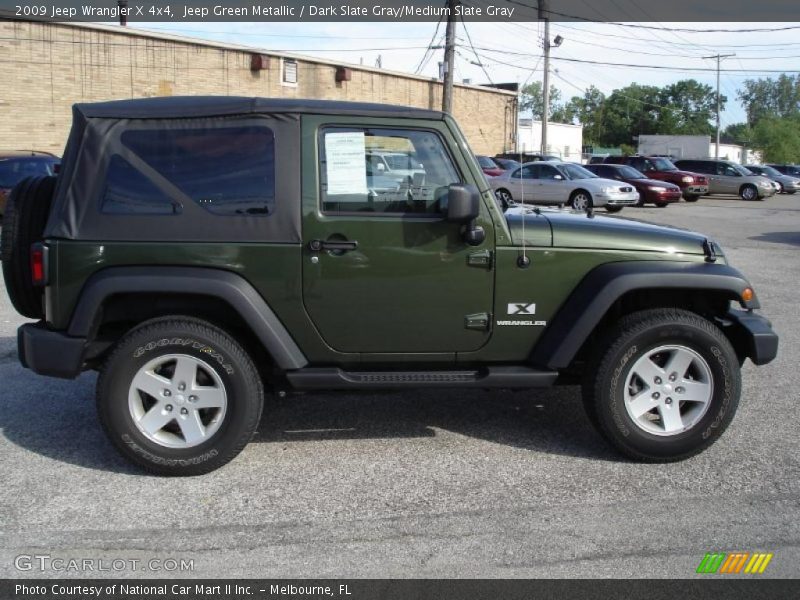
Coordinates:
[482,258]
[479,321]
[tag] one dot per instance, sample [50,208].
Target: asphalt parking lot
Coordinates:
[432,484]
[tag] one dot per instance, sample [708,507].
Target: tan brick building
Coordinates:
[47,67]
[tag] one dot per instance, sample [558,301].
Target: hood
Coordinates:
[569,229]
[659,182]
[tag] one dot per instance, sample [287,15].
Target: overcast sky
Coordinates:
[510,52]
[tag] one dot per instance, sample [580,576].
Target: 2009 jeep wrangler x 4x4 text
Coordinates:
[197,251]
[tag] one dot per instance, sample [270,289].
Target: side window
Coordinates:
[547,172]
[128,192]
[226,170]
[531,172]
[384,171]
[728,170]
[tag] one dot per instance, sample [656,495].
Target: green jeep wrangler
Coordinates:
[199,251]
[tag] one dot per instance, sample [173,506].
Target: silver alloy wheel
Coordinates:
[504,196]
[177,401]
[668,390]
[581,201]
[749,193]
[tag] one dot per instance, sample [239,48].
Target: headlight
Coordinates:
[657,188]
[687,179]
[609,190]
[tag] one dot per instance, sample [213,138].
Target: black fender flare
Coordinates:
[234,289]
[603,285]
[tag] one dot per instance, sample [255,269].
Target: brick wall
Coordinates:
[48,67]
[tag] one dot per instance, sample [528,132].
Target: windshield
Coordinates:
[401,162]
[486,163]
[14,170]
[663,164]
[768,171]
[631,173]
[576,171]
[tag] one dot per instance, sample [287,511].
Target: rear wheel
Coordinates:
[692,197]
[581,200]
[505,198]
[178,396]
[748,192]
[664,385]
[26,214]
[661,204]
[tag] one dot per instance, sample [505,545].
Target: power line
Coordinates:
[425,56]
[469,39]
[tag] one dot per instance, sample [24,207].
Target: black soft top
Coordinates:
[214,106]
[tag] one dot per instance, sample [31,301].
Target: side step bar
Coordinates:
[492,377]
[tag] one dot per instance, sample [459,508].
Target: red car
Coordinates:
[693,185]
[491,168]
[651,191]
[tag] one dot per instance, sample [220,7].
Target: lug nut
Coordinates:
[657,380]
[673,376]
[668,401]
[181,386]
[680,389]
[167,393]
[184,411]
[168,408]
[656,395]
[192,398]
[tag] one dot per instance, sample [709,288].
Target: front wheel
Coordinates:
[613,209]
[692,198]
[661,204]
[505,198]
[179,396]
[748,192]
[664,385]
[581,200]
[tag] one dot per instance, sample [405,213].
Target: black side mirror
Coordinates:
[463,206]
[463,202]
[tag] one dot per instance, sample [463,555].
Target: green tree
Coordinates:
[532,99]
[738,133]
[691,107]
[778,138]
[770,97]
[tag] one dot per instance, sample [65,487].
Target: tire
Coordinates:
[662,204]
[581,200]
[692,198]
[613,209]
[748,192]
[641,345]
[505,198]
[790,192]
[152,356]
[26,214]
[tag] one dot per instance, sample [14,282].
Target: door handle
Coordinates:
[336,245]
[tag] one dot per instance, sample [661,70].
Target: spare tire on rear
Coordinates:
[26,214]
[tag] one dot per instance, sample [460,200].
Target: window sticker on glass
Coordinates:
[344,157]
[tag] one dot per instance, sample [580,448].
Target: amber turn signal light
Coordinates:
[747,295]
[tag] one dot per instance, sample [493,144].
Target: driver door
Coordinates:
[383,270]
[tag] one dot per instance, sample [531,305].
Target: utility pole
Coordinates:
[449,57]
[719,57]
[546,78]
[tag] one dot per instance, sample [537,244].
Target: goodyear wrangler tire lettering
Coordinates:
[185,433]
[663,385]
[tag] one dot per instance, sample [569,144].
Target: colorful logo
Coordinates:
[734,562]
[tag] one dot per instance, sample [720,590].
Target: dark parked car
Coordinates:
[16,166]
[506,163]
[489,166]
[526,157]
[793,170]
[693,185]
[651,191]
[787,184]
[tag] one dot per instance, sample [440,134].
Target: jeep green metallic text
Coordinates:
[199,251]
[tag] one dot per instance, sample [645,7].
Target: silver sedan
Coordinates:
[564,184]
